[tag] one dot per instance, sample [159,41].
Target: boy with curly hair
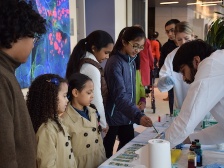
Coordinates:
[20,25]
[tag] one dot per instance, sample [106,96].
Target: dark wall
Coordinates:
[138,9]
[100,15]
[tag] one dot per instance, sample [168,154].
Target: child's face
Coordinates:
[85,97]
[62,98]
[133,47]
[103,53]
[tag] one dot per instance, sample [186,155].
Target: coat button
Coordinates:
[66,144]
[85,134]
[71,150]
[69,138]
[70,156]
[96,141]
[94,129]
[88,145]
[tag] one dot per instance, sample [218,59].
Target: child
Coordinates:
[20,25]
[121,109]
[86,58]
[83,123]
[46,101]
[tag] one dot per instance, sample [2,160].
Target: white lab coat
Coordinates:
[205,94]
[180,87]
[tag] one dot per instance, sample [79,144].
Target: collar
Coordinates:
[8,62]
[127,58]
[91,56]
[75,116]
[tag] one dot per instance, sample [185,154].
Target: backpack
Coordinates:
[104,90]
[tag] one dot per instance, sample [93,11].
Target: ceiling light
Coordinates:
[202,3]
[167,3]
[208,4]
[194,3]
[213,2]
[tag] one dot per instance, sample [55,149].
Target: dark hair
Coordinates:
[99,39]
[42,99]
[128,34]
[153,35]
[19,20]
[76,81]
[189,50]
[172,21]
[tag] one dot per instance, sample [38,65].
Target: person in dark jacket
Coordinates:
[20,28]
[121,110]
[169,46]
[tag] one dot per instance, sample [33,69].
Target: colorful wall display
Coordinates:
[51,53]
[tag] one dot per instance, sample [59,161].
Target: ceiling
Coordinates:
[182,3]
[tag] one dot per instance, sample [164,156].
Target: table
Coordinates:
[210,152]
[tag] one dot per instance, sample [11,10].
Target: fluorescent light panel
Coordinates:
[202,3]
[167,3]
[208,4]
[213,2]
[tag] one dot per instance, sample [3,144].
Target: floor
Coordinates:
[162,107]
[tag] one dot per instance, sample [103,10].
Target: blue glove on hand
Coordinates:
[169,80]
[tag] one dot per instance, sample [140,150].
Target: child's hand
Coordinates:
[141,105]
[145,121]
[105,130]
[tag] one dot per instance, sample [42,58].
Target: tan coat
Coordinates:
[53,147]
[87,143]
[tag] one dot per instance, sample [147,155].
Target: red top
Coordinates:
[155,49]
[146,63]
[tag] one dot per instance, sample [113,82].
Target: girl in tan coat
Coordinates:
[46,101]
[83,123]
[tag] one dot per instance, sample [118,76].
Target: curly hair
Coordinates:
[42,99]
[17,20]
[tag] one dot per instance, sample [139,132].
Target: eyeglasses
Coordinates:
[54,81]
[136,47]
[36,38]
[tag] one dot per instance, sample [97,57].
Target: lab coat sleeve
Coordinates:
[92,72]
[46,149]
[210,135]
[166,72]
[202,96]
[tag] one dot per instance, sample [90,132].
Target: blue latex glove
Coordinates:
[169,80]
[165,83]
[215,165]
[180,146]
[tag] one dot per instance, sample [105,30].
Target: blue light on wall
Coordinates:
[51,53]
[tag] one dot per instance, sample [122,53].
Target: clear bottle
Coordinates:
[192,163]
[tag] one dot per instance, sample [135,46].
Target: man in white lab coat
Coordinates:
[203,68]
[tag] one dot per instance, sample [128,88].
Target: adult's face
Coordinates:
[170,31]
[188,73]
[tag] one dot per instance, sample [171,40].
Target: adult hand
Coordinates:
[145,121]
[169,80]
